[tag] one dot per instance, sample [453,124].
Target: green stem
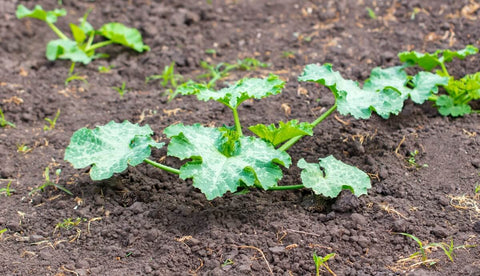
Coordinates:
[287,187]
[295,139]
[163,167]
[57,31]
[72,67]
[238,126]
[444,69]
[98,45]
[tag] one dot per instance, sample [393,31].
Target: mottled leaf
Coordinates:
[331,176]
[252,162]
[234,95]
[110,148]
[384,92]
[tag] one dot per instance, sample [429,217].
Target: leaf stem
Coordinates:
[238,126]
[287,187]
[57,31]
[444,69]
[98,45]
[162,167]
[295,139]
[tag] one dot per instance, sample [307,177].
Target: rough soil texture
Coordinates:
[148,222]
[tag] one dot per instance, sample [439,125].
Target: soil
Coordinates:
[148,222]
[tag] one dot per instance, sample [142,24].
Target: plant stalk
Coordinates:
[287,187]
[295,139]
[57,31]
[98,45]
[162,167]
[238,126]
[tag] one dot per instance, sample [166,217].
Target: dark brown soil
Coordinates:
[148,222]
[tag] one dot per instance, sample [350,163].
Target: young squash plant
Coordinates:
[459,92]
[82,47]
[223,159]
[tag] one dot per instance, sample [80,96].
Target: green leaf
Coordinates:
[66,49]
[334,177]
[78,34]
[284,131]
[384,92]
[252,162]
[234,95]
[447,107]
[39,13]
[428,61]
[121,34]
[110,148]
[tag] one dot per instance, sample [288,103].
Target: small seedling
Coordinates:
[121,90]
[3,121]
[221,70]
[51,122]
[105,70]
[371,13]
[46,176]
[228,262]
[7,190]
[288,54]
[322,262]
[69,223]
[23,148]
[82,48]
[212,52]
[411,160]
[425,249]
[477,189]
[169,78]
[3,231]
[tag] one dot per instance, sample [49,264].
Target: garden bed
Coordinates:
[148,222]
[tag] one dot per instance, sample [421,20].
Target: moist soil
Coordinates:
[149,222]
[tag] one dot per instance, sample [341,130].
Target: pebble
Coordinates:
[476,226]
[439,232]
[358,219]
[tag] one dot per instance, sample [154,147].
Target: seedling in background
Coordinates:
[371,13]
[23,148]
[121,90]
[322,262]
[228,262]
[459,92]
[7,190]
[51,122]
[411,160]
[288,54]
[168,78]
[81,48]
[75,77]
[424,250]
[221,70]
[105,70]
[46,176]
[69,223]
[3,121]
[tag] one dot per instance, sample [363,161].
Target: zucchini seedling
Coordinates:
[82,47]
[223,159]
[459,92]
